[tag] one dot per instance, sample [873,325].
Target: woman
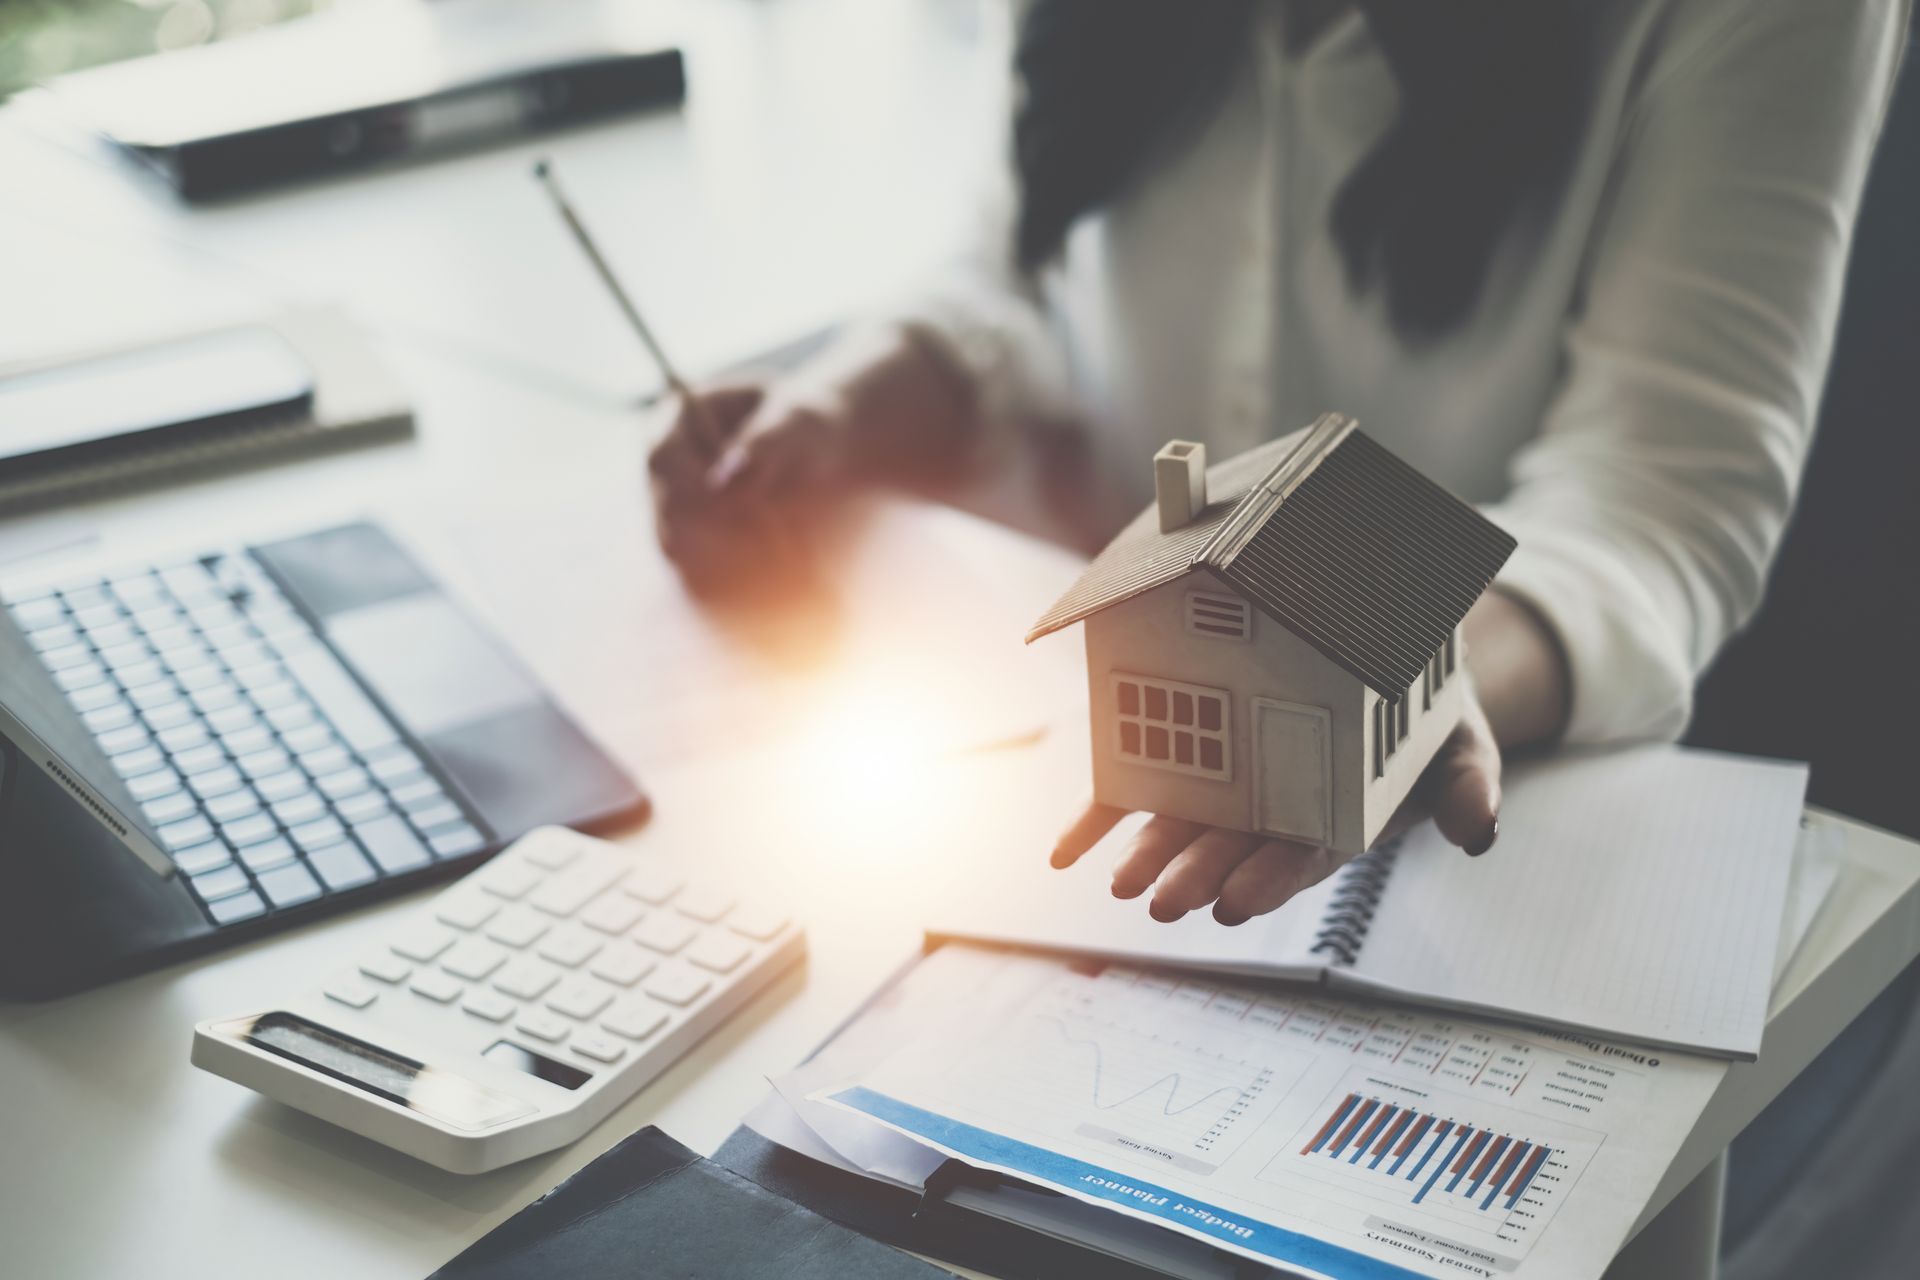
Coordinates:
[1580,262]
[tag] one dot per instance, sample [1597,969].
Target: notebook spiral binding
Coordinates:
[1349,913]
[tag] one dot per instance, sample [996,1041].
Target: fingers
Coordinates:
[1195,875]
[781,450]
[1271,875]
[1087,830]
[1157,844]
[1463,784]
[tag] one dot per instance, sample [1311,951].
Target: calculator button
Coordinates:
[621,963]
[653,885]
[525,978]
[555,853]
[758,923]
[579,997]
[598,1047]
[634,1019]
[676,986]
[718,953]
[567,891]
[569,945]
[509,880]
[457,842]
[423,942]
[289,885]
[393,846]
[517,926]
[266,855]
[663,933]
[436,986]
[541,1026]
[465,910]
[387,967]
[341,867]
[351,992]
[473,959]
[482,1003]
[613,913]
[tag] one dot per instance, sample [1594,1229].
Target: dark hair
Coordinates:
[1492,99]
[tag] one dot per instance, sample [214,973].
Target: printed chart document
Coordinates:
[1343,1138]
[1634,894]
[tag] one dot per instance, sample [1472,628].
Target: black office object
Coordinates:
[290,728]
[650,1207]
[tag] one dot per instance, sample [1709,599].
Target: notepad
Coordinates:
[1635,894]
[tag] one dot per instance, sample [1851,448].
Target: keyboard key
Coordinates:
[114,715]
[612,912]
[706,903]
[201,759]
[758,923]
[73,655]
[457,842]
[221,883]
[392,845]
[263,764]
[232,720]
[130,652]
[100,695]
[267,854]
[565,892]
[423,941]
[171,716]
[31,615]
[328,758]
[151,786]
[569,944]
[517,926]
[509,879]
[579,997]
[80,677]
[253,677]
[395,764]
[289,885]
[318,834]
[598,1047]
[421,793]
[85,595]
[141,674]
[152,697]
[182,737]
[436,986]
[718,953]
[54,635]
[635,1019]
[208,675]
[232,806]
[118,741]
[663,933]
[215,699]
[187,831]
[340,867]
[541,1026]
[386,966]
[651,884]
[310,737]
[241,906]
[466,909]
[294,715]
[142,759]
[340,698]
[676,985]
[298,810]
[525,978]
[347,782]
[250,829]
[472,959]
[282,786]
[621,963]
[482,1003]
[169,808]
[437,816]
[216,782]
[351,992]
[95,616]
[247,740]
[200,858]
[364,807]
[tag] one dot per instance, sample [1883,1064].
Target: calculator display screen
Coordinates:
[432,1091]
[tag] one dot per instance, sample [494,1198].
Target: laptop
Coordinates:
[211,749]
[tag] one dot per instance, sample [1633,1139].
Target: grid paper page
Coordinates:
[1637,894]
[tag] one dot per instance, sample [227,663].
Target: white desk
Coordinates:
[116,1158]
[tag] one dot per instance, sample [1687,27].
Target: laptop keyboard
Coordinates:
[270,777]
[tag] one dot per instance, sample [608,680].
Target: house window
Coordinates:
[1380,750]
[1168,725]
[1220,617]
[1449,652]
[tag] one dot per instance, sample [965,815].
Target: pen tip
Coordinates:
[540,167]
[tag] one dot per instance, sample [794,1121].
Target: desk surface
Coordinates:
[116,1158]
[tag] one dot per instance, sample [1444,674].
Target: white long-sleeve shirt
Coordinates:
[1632,397]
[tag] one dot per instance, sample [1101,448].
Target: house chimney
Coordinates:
[1179,483]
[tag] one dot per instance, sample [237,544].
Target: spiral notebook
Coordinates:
[1636,895]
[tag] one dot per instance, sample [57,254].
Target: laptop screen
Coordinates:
[49,736]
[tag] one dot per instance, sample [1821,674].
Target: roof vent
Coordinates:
[1179,483]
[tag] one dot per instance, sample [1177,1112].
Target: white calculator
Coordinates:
[513,1012]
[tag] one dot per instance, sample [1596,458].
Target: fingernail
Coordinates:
[1165,915]
[723,472]
[1485,842]
[1229,918]
[1058,860]
[1126,890]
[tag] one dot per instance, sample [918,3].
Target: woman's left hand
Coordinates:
[1189,864]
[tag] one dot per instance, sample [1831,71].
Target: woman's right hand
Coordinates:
[734,475]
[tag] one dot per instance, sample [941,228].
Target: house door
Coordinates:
[1293,769]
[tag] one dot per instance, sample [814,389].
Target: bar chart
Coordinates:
[1503,1165]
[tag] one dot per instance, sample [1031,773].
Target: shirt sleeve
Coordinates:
[977,308]
[1649,505]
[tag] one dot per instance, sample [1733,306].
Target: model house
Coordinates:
[1274,645]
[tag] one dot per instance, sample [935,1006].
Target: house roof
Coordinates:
[1333,537]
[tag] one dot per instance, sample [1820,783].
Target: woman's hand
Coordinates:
[1188,865]
[736,470]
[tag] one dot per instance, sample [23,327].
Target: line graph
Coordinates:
[1172,1079]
